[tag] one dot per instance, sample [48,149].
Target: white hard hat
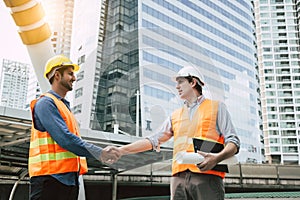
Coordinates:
[190,71]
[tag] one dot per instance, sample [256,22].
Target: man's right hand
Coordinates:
[110,154]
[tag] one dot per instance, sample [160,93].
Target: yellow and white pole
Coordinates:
[35,34]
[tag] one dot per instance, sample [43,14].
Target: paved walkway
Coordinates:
[266,198]
[242,196]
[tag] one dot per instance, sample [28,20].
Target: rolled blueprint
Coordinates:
[195,158]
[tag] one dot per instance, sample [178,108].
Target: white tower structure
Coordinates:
[277,27]
[59,15]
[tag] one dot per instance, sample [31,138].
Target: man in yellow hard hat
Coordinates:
[200,118]
[57,152]
[55,63]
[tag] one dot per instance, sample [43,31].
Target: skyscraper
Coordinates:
[130,50]
[59,15]
[14,84]
[34,90]
[278,55]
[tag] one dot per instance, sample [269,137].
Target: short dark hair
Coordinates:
[197,87]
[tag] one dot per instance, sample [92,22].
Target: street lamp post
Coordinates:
[137,113]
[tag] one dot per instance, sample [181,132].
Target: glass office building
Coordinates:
[130,50]
[278,56]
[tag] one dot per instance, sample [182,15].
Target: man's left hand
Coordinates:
[210,160]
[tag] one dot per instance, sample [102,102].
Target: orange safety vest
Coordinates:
[45,155]
[203,125]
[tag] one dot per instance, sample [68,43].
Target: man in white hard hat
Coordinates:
[57,152]
[198,118]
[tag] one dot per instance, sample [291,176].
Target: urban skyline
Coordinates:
[161,31]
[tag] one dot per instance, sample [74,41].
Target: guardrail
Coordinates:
[241,177]
[263,175]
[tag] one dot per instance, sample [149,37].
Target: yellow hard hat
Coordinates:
[58,61]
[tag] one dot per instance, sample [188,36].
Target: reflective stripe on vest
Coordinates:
[202,125]
[45,155]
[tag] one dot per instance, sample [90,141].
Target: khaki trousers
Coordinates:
[196,186]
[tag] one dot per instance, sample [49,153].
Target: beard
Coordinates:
[66,85]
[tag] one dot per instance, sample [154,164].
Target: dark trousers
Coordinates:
[47,187]
[195,186]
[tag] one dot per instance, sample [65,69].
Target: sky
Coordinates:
[11,46]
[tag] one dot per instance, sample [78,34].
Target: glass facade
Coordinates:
[145,43]
[119,74]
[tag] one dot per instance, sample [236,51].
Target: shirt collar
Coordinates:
[199,100]
[58,97]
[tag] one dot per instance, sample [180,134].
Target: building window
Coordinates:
[80,76]
[78,92]
[273,124]
[288,133]
[81,60]
[275,149]
[77,109]
[273,132]
[271,101]
[271,109]
[287,125]
[290,149]
[274,140]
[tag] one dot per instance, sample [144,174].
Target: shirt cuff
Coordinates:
[155,143]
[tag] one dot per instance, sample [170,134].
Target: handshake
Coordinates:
[111,154]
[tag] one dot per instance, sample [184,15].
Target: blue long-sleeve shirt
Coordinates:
[47,118]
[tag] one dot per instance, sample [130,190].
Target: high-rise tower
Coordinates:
[14,84]
[129,51]
[278,55]
[59,15]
